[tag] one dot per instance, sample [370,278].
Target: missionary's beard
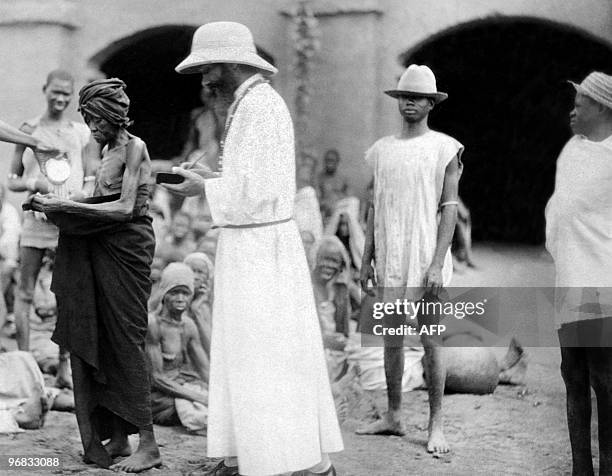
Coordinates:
[224,87]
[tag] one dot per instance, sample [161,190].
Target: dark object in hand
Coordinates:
[169,178]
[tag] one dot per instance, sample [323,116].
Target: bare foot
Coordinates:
[513,354]
[139,461]
[515,375]
[436,442]
[31,414]
[514,365]
[385,426]
[64,375]
[64,401]
[119,447]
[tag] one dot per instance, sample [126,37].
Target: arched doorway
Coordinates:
[509,104]
[161,99]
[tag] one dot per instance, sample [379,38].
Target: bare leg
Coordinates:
[3,311]
[575,372]
[390,423]
[146,456]
[22,327]
[31,262]
[118,444]
[514,365]
[435,375]
[31,415]
[600,366]
[64,377]
[64,402]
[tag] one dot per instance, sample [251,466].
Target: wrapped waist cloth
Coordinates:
[101,280]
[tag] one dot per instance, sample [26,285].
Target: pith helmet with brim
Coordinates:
[419,81]
[223,42]
[597,86]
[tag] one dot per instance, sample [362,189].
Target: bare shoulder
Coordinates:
[190,328]
[136,152]
[135,144]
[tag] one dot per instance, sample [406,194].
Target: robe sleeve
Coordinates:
[259,163]
[371,156]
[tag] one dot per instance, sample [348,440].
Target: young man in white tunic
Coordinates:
[271,409]
[416,175]
[39,235]
[579,238]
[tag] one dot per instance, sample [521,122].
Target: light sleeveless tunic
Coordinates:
[72,137]
[408,181]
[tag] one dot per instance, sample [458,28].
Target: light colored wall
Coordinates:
[107,21]
[362,40]
[344,106]
[34,39]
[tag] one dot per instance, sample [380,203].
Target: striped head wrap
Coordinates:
[106,98]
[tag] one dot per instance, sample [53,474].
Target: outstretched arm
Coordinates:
[10,134]
[119,210]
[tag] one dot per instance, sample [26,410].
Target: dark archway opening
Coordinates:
[509,103]
[161,99]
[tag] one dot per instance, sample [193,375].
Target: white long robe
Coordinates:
[579,230]
[270,402]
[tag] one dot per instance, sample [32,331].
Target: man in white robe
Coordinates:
[270,403]
[579,238]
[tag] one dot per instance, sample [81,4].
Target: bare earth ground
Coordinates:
[516,430]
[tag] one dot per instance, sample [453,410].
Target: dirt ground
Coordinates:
[515,430]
